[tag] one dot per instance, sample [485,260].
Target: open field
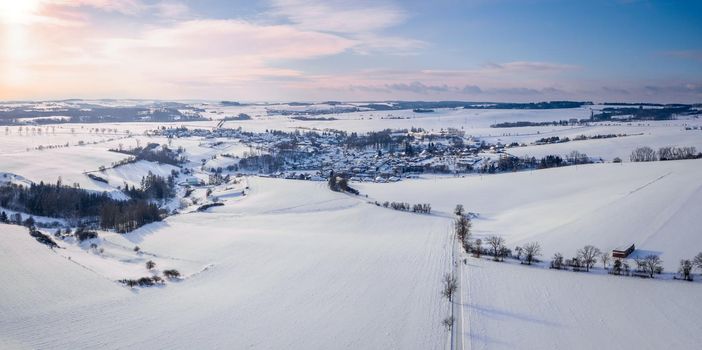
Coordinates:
[272,264]
[320,269]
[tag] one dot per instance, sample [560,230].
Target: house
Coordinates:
[623,251]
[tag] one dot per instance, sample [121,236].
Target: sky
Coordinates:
[295,50]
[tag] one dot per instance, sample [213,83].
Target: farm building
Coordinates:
[623,251]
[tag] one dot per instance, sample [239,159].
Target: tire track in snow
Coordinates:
[648,184]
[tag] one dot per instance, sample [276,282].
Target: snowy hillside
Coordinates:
[267,262]
[293,257]
[507,306]
[654,205]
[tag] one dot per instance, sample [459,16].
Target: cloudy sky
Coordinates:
[283,50]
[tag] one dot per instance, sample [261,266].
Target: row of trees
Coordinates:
[423,208]
[153,153]
[78,205]
[462,228]
[449,286]
[512,163]
[128,215]
[585,258]
[647,154]
[152,280]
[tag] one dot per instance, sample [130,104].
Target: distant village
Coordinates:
[383,156]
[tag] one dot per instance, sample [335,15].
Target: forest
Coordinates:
[80,206]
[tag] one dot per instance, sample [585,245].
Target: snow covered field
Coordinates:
[508,306]
[653,205]
[280,278]
[290,264]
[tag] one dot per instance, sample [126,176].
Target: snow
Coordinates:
[133,173]
[653,205]
[67,163]
[651,134]
[275,267]
[510,306]
[290,264]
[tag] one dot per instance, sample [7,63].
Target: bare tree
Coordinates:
[697,261]
[495,243]
[643,154]
[605,260]
[462,227]
[652,264]
[448,323]
[531,250]
[557,261]
[478,249]
[588,256]
[459,210]
[640,264]
[449,286]
[504,252]
[467,247]
[686,269]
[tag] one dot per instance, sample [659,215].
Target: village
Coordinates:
[384,156]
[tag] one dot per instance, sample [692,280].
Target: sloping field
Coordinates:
[292,266]
[66,163]
[508,306]
[654,205]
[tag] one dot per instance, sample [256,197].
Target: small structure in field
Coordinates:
[623,251]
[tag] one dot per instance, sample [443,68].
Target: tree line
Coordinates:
[647,154]
[512,163]
[153,153]
[422,208]
[584,259]
[78,205]
[153,187]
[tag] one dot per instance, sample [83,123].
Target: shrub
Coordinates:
[97,178]
[42,238]
[145,282]
[83,234]
[129,282]
[209,205]
[172,273]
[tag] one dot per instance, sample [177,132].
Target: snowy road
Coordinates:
[458,315]
[459,329]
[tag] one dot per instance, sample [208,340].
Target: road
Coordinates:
[458,333]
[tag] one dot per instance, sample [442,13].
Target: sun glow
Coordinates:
[15,18]
[17,11]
